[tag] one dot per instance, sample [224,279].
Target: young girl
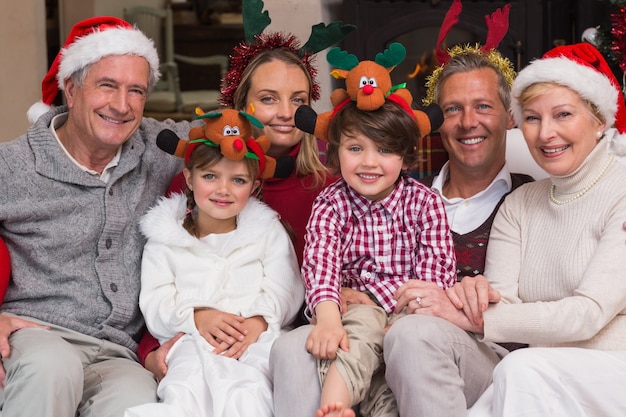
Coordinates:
[219,267]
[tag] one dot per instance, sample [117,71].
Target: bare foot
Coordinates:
[334,410]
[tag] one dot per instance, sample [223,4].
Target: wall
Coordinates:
[23,51]
[23,45]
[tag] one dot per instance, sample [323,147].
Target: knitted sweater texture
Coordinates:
[74,240]
[560,268]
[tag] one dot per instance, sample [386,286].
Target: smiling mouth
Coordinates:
[369,176]
[282,128]
[108,119]
[555,150]
[221,202]
[473,141]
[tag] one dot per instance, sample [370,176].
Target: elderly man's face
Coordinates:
[475,121]
[107,109]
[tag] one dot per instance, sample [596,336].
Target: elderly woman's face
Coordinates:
[559,129]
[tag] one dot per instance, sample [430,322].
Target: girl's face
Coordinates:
[220,191]
[560,130]
[276,90]
[371,171]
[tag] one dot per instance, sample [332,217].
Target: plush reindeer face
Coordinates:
[368,84]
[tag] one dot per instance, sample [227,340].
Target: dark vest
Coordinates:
[471,248]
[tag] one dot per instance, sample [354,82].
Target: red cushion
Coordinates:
[5,269]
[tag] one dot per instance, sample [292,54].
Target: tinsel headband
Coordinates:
[255,21]
[497,26]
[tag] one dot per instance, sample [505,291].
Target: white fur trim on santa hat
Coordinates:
[36,111]
[589,83]
[99,44]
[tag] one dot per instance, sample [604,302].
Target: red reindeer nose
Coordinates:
[368,89]
[238,145]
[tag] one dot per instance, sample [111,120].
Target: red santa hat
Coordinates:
[582,68]
[89,41]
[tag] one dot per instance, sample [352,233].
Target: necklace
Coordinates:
[584,190]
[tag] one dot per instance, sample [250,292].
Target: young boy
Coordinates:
[371,231]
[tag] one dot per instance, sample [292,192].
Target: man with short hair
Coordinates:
[434,367]
[74,187]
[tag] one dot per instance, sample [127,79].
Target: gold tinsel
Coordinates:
[499,61]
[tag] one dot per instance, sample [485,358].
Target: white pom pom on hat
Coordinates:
[583,69]
[89,41]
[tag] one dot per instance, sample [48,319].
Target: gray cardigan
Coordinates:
[74,241]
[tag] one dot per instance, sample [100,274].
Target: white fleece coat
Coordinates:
[254,273]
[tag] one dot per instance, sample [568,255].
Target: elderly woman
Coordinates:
[556,254]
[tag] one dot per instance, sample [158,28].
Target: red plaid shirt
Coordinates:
[376,246]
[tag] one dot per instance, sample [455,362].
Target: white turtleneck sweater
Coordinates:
[561,269]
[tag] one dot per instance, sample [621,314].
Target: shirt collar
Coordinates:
[57,121]
[503,179]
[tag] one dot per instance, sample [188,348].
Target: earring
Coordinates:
[599,134]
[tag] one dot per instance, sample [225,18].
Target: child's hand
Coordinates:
[328,335]
[255,326]
[219,327]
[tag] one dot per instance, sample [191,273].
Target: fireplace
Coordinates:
[415,23]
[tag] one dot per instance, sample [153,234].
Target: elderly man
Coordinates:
[74,187]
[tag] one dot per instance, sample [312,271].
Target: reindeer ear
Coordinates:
[435,115]
[305,118]
[168,141]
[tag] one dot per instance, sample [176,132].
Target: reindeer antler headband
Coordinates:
[255,21]
[497,26]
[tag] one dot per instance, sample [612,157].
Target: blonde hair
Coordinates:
[538,89]
[307,161]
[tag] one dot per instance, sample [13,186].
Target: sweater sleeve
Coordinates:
[147,344]
[282,291]
[158,297]
[581,306]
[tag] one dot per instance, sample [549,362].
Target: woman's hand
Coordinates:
[473,295]
[219,327]
[155,360]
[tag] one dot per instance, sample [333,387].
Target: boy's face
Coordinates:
[371,171]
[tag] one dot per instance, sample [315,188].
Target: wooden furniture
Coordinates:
[200,40]
[168,99]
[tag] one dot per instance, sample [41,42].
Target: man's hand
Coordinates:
[473,295]
[350,296]
[155,360]
[422,297]
[8,325]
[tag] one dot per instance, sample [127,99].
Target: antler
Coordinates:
[497,26]
[391,56]
[341,59]
[255,20]
[451,19]
[323,36]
